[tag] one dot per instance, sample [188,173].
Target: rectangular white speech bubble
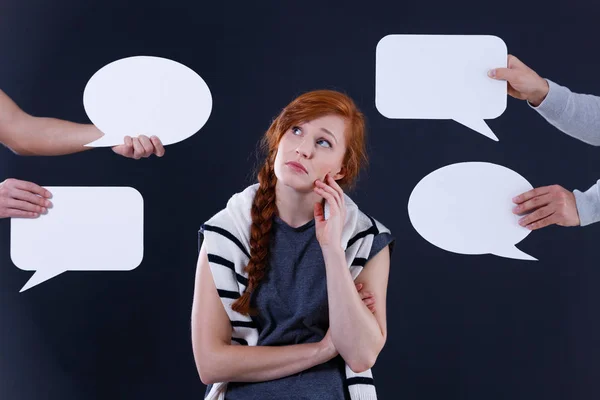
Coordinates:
[87,229]
[441,77]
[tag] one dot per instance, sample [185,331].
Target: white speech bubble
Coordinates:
[441,77]
[146,95]
[87,229]
[466,208]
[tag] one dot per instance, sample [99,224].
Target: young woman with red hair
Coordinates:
[276,311]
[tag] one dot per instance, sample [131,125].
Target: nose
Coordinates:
[304,149]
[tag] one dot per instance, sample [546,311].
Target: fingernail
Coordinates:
[492,73]
[515,199]
[521,222]
[48,203]
[515,209]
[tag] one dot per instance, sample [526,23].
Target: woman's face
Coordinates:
[310,150]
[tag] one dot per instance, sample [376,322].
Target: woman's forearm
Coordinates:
[49,136]
[354,330]
[28,135]
[232,363]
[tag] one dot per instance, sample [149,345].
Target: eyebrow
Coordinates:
[329,133]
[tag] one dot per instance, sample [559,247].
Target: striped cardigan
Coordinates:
[227,240]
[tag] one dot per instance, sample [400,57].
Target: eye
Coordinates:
[296,130]
[323,143]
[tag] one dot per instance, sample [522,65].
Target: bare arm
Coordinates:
[28,135]
[357,333]
[217,360]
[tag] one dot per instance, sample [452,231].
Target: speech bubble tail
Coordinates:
[40,276]
[513,252]
[478,125]
[104,141]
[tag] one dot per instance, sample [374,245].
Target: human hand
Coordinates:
[550,205]
[523,82]
[329,231]
[367,297]
[23,199]
[139,147]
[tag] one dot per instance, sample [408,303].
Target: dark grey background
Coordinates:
[460,327]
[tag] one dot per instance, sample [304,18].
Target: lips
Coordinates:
[297,166]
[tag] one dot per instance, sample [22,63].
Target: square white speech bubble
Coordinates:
[87,229]
[441,77]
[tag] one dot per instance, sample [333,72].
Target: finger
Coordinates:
[530,194]
[514,62]
[369,302]
[33,188]
[14,213]
[536,216]
[159,150]
[332,182]
[330,190]
[25,206]
[513,93]
[329,197]
[543,223]
[359,286]
[146,145]
[533,204]
[126,149]
[372,309]
[504,74]
[138,149]
[31,198]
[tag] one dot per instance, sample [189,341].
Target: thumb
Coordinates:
[504,74]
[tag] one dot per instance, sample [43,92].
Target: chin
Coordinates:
[300,183]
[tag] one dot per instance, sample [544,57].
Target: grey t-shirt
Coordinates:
[292,309]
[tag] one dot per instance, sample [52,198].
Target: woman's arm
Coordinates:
[357,333]
[217,360]
[27,135]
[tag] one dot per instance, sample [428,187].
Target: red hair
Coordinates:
[306,107]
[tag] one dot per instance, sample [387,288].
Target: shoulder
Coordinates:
[234,220]
[360,221]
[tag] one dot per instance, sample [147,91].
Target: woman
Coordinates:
[276,312]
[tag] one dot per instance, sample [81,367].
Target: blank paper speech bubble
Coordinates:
[146,95]
[441,77]
[87,229]
[466,208]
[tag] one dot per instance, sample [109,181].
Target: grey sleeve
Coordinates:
[577,115]
[588,204]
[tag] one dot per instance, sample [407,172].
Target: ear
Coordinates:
[341,173]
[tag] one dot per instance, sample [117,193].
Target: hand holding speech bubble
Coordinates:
[466,208]
[146,95]
[441,77]
[87,229]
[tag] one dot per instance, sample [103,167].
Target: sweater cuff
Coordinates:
[588,205]
[555,102]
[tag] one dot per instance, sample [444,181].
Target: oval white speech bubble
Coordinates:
[466,208]
[441,77]
[87,229]
[146,95]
